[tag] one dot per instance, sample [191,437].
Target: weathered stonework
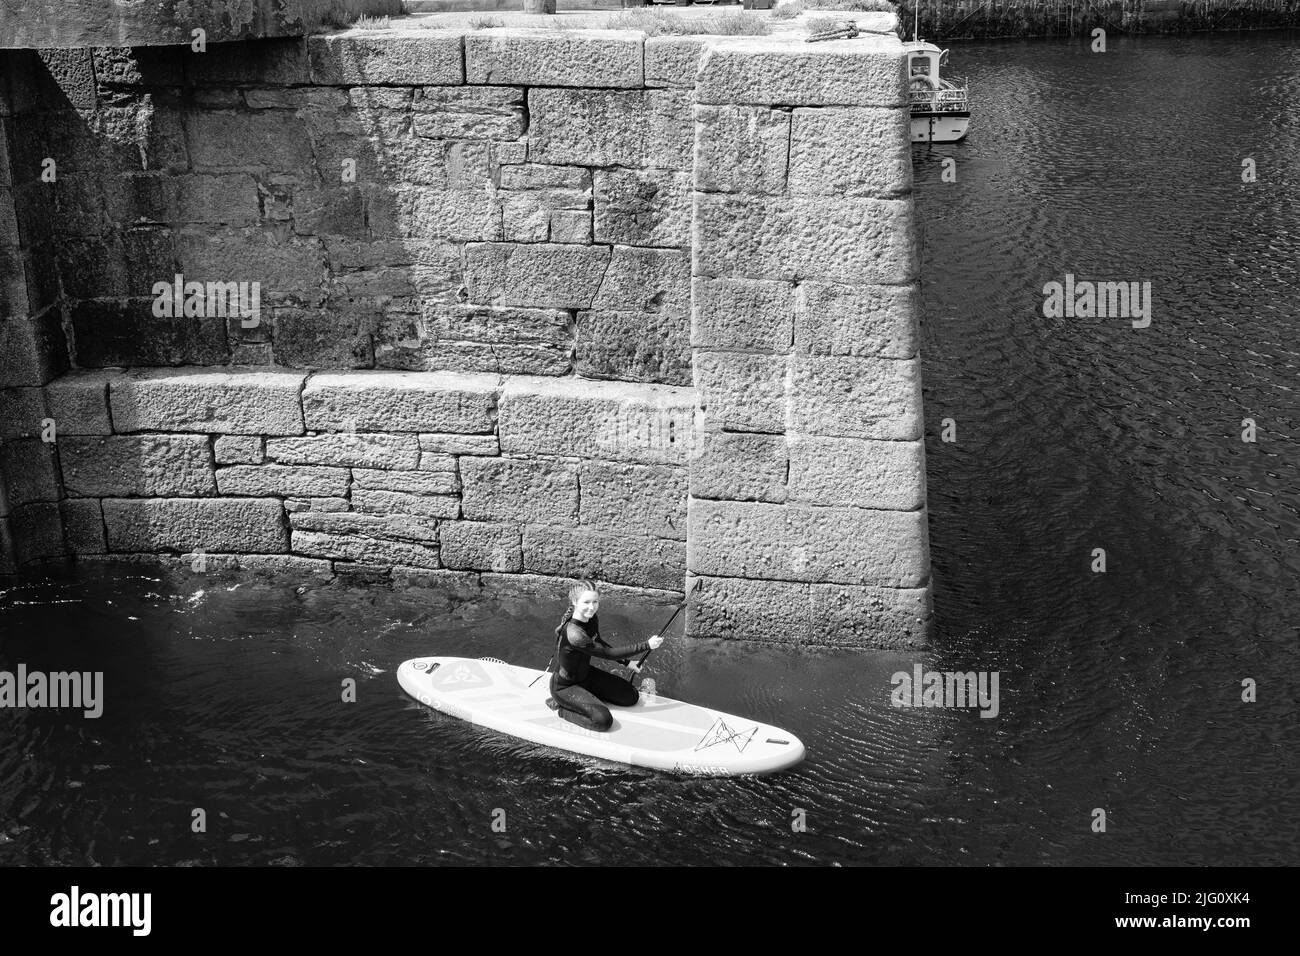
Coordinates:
[508,341]
[612,422]
[867,71]
[399,402]
[850,151]
[423,482]
[742,149]
[648,207]
[807,516]
[833,319]
[30,471]
[239,450]
[192,524]
[519,490]
[487,545]
[207,400]
[282,480]
[610,128]
[808,237]
[401,503]
[532,304]
[673,60]
[739,466]
[634,346]
[744,314]
[535,274]
[560,58]
[608,557]
[78,403]
[358,548]
[146,465]
[799,543]
[649,498]
[375,59]
[359,450]
[866,474]
[856,397]
[742,391]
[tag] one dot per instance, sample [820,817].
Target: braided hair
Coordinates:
[575,592]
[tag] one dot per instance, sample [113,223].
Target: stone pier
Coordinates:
[532,304]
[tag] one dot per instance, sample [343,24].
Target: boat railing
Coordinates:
[944,99]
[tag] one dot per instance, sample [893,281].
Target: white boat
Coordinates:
[940,108]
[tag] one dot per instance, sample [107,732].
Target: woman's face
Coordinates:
[585,608]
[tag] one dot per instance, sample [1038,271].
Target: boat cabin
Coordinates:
[923,62]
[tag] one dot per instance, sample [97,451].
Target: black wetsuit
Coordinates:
[579,688]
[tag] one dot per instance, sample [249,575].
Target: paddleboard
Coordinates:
[657,732]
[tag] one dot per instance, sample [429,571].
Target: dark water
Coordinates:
[1118,690]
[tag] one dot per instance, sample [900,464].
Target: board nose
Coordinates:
[793,753]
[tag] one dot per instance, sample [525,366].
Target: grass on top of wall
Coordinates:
[792,8]
[655,22]
[857,6]
[652,21]
[341,15]
[823,24]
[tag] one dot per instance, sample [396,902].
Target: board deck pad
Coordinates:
[657,732]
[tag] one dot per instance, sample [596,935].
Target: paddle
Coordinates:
[636,668]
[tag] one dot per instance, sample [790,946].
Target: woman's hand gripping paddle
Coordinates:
[635,666]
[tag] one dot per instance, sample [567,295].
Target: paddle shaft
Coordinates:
[643,657]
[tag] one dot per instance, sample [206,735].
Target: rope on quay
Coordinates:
[846,32]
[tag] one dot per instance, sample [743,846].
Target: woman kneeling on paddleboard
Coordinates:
[577,688]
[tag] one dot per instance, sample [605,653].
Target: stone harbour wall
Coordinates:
[807,512]
[33,344]
[392,215]
[531,303]
[357,471]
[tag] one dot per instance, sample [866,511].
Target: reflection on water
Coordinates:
[1078,434]
[1118,690]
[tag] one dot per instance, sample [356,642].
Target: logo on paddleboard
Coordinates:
[721,733]
[463,674]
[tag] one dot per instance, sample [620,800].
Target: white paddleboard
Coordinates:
[656,732]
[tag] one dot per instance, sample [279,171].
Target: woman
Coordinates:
[577,688]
